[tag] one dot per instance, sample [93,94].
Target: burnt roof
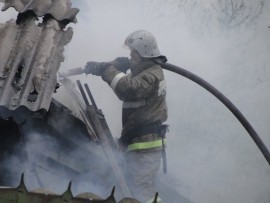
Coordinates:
[61,10]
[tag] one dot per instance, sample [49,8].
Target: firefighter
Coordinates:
[143,92]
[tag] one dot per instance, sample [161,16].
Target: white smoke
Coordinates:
[50,163]
[210,154]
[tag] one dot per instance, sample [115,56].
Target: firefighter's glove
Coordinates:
[96,68]
[121,63]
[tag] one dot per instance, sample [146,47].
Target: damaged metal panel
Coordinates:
[21,195]
[60,9]
[30,56]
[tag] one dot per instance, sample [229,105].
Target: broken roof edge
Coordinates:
[19,115]
[6,111]
[60,10]
[24,111]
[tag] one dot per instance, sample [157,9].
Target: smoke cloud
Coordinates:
[211,158]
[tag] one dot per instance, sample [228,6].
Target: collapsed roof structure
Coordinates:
[31,51]
[38,135]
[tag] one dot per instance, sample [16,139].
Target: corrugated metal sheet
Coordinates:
[59,9]
[21,195]
[30,56]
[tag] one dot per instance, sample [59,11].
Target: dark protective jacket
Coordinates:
[143,93]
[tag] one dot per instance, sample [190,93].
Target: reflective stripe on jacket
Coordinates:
[157,144]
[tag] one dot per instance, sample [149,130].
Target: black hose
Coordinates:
[225,101]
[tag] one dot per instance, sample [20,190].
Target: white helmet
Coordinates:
[144,42]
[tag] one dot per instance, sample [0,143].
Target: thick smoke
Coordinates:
[50,163]
[211,158]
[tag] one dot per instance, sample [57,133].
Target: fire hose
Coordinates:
[253,134]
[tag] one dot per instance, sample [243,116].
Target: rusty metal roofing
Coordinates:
[59,9]
[31,53]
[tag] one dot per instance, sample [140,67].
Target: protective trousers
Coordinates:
[141,171]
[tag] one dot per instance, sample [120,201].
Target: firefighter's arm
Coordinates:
[129,88]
